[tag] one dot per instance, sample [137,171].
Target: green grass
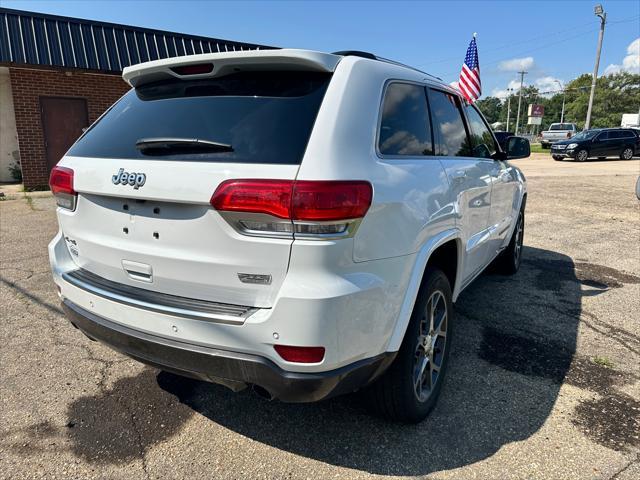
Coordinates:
[537,148]
[30,202]
[603,361]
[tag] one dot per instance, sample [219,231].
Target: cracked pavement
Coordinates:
[544,380]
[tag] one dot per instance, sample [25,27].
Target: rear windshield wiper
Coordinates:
[168,145]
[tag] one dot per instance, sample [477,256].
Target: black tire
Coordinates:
[627,153]
[557,158]
[581,155]
[394,395]
[509,260]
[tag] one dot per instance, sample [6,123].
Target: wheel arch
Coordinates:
[439,252]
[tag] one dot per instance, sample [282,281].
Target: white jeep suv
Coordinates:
[293,221]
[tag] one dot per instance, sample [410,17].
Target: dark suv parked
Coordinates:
[623,143]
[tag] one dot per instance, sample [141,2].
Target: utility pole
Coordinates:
[509,90]
[599,12]
[564,96]
[522,74]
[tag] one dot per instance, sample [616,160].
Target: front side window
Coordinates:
[603,136]
[482,141]
[447,121]
[405,128]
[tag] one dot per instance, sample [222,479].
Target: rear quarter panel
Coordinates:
[410,202]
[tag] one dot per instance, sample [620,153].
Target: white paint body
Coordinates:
[354,296]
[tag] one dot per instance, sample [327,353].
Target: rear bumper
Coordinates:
[233,369]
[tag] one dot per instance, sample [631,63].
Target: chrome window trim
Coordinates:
[384,156]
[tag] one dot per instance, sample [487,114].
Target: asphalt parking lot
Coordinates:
[544,380]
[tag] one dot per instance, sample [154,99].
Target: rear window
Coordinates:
[561,126]
[266,117]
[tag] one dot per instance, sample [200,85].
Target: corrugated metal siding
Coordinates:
[39,39]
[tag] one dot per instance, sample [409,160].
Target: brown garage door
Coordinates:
[63,119]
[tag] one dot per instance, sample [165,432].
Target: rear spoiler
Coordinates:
[230,62]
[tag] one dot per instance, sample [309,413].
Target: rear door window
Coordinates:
[266,117]
[405,128]
[449,125]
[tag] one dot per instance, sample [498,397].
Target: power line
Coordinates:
[510,44]
[539,47]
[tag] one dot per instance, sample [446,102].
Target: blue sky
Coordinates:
[551,39]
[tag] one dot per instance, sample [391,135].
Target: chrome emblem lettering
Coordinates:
[136,180]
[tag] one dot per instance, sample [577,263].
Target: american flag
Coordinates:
[469,83]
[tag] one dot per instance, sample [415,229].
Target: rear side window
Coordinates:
[615,134]
[448,123]
[266,117]
[483,144]
[561,126]
[405,128]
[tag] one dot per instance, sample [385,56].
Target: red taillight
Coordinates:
[271,197]
[303,200]
[195,69]
[330,200]
[300,354]
[61,183]
[61,180]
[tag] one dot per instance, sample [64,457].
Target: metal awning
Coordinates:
[39,39]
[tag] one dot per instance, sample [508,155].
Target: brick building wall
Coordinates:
[28,85]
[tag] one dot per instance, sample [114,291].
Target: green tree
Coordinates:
[491,107]
[614,95]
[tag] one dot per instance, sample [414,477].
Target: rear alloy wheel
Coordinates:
[409,389]
[508,262]
[582,155]
[627,153]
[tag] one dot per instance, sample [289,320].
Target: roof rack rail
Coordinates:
[408,66]
[356,53]
[371,56]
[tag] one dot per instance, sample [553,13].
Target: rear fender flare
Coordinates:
[415,281]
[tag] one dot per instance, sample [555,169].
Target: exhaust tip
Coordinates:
[261,392]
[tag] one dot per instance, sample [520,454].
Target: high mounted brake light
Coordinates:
[283,207]
[61,184]
[195,69]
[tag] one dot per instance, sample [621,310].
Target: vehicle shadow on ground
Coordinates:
[513,347]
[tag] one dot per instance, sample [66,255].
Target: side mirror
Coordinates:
[517,147]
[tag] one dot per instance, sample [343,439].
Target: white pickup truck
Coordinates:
[557,132]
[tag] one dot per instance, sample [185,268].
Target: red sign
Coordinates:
[536,110]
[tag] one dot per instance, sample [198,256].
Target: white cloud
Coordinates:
[543,84]
[630,63]
[503,93]
[548,84]
[516,64]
